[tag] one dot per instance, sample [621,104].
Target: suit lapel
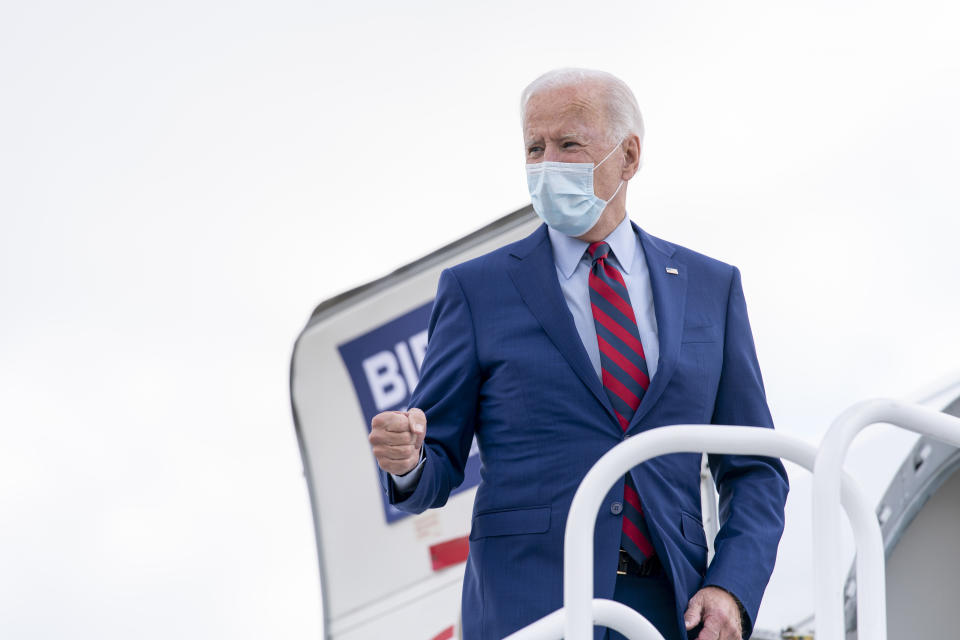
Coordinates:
[534,274]
[669,303]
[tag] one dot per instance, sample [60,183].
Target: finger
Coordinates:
[387,420]
[392,438]
[712,626]
[399,423]
[694,609]
[418,424]
[399,454]
[708,634]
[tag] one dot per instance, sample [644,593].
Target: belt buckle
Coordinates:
[622,563]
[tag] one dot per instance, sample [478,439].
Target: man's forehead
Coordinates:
[565,111]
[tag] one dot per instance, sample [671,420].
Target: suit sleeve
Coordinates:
[752,489]
[447,393]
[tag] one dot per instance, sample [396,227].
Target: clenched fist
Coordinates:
[396,438]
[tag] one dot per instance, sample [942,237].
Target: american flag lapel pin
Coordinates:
[672,271]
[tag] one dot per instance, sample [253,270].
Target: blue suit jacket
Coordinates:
[505,363]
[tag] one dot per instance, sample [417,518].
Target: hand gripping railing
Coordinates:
[576,618]
[826,515]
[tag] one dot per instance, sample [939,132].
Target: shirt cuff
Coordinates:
[408,481]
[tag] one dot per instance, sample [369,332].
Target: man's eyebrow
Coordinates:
[573,135]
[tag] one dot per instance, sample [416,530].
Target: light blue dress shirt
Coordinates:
[573,270]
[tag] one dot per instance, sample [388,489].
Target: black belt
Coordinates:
[628,566]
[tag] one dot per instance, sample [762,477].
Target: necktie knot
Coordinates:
[598,251]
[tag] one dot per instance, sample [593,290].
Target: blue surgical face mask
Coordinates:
[562,194]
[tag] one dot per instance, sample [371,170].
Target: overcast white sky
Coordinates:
[181,182]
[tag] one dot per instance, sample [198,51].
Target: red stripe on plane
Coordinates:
[446,634]
[450,552]
[616,329]
[617,387]
[623,363]
[612,297]
[638,538]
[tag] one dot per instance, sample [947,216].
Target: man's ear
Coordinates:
[631,153]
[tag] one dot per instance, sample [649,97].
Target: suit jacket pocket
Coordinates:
[700,333]
[510,522]
[693,529]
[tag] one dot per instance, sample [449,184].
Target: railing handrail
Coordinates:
[608,613]
[579,610]
[826,516]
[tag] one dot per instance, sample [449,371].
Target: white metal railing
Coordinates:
[826,515]
[581,611]
[606,613]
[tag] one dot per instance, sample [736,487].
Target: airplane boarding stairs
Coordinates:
[832,488]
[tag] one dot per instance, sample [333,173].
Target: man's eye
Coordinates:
[534,150]
[570,145]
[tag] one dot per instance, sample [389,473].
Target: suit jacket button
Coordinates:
[616,508]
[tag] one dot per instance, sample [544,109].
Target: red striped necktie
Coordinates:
[624,374]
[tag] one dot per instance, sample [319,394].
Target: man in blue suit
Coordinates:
[554,349]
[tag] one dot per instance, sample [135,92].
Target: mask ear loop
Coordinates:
[615,147]
[607,201]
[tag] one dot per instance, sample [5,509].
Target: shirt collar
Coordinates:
[568,251]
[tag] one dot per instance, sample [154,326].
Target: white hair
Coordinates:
[623,114]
